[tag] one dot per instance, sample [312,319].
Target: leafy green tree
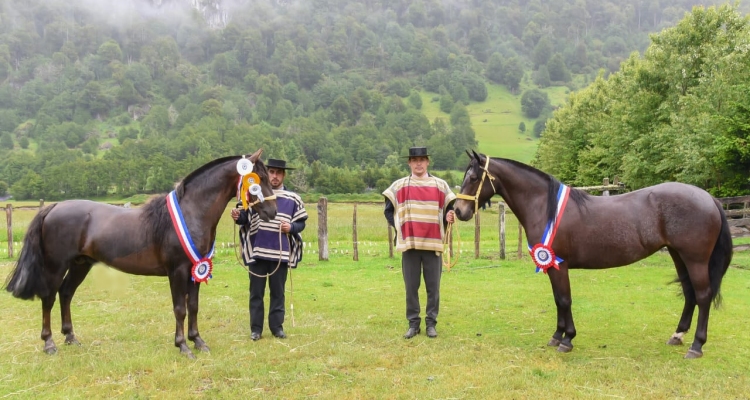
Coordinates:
[495,70]
[6,141]
[415,100]
[522,127]
[541,76]
[3,188]
[446,103]
[542,52]
[513,74]
[533,101]
[557,69]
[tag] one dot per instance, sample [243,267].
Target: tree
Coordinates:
[542,52]
[541,77]
[415,100]
[513,74]
[522,127]
[533,102]
[495,70]
[558,72]
[6,141]
[446,103]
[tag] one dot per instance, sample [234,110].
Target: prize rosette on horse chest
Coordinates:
[202,270]
[543,257]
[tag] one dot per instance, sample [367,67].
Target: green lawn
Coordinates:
[345,335]
[345,341]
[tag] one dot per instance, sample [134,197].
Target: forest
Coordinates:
[125,97]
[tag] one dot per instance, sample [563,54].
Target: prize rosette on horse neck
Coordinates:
[202,266]
[542,253]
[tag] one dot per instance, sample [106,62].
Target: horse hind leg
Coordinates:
[54,280]
[689,296]
[702,291]
[76,274]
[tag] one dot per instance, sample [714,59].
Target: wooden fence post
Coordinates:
[323,229]
[746,205]
[520,240]
[354,233]
[41,204]
[390,241]
[477,235]
[9,220]
[605,182]
[501,221]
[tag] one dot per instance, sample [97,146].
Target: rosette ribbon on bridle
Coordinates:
[202,266]
[542,253]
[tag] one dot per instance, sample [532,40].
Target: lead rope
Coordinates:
[446,247]
[236,255]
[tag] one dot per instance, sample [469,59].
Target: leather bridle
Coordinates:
[475,197]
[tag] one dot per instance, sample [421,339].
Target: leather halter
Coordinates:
[475,197]
[258,200]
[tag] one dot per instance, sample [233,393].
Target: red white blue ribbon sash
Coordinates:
[542,253]
[202,266]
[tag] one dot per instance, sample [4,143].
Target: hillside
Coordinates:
[132,95]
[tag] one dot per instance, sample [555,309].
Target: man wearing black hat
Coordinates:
[269,248]
[419,206]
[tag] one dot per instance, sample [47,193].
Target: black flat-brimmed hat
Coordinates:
[417,152]
[279,164]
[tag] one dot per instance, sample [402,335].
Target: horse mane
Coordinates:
[155,216]
[577,196]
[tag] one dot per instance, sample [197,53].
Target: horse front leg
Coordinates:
[192,303]
[566,329]
[72,280]
[558,335]
[178,284]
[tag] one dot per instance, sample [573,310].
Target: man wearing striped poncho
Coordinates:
[419,206]
[270,248]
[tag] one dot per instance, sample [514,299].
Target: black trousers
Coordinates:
[276,284]
[414,264]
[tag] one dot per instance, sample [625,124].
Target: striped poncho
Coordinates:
[261,240]
[419,211]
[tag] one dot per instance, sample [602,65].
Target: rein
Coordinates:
[475,197]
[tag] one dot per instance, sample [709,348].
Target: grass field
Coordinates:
[346,323]
[496,120]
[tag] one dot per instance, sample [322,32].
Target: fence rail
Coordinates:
[359,229]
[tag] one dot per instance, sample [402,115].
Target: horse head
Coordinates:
[476,187]
[265,208]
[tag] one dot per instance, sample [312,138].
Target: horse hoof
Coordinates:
[72,341]
[553,342]
[673,341]
[564,349]
[692,354]
[203,348]
[51,350]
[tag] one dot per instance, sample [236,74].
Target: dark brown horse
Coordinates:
[65,239]
[603,232]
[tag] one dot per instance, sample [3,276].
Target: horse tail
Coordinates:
[721,256]
[27,279]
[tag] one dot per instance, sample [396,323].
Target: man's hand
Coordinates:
[235,213]
[450,217]
[285,227]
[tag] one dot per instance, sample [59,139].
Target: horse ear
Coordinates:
[255,156]
[468,154]
[475,155]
